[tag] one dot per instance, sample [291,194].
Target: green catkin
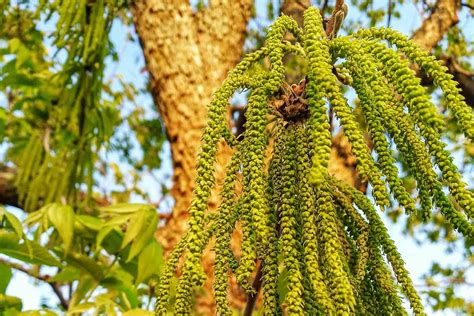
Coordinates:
[28,166]
[407,85]
[256,122]
[288,222]
[318,122]
[254,225]
[231,259]
[270,262]
[359,229]
[223,236]
[166,277]
[26,162]
[456,104]
[402,130]
[205,176]
[70,15]
[367,85]
[310,307]
[336,278]
[99,26]
[328,83]
[348,249]
[365,268]
[89,32]
[37,184]
[64,16]
[171,265]
[248,255]
[389,302]
[309,241]
[328,235]
[424,171]
[49,181]
[378,230]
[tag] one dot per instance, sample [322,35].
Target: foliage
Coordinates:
[61,118]
[296,219]
[112,250]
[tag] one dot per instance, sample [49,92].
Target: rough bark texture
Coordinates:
[443,16]
[188,55]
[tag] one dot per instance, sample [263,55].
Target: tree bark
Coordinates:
[443,16]
[188,54]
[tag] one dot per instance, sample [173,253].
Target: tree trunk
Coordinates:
[188,55]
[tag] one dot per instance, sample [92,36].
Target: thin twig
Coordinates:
[45,278]
[252,298]
[325,5]
[332,19]
[57,290]
[389,13]
[467,5]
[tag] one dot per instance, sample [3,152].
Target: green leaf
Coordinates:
[10,246]
[136,225]
[62,218]
[7,301]
[68,274]
[86,283]
[146,234]
[15,222]
[17,227]
[5,277]
[283,285]
[118,220]
[14,44]
[41,312]
[19,80]
[80,308]
[138,312]
[103,232]
[85,264]
[90,222]
[122,281]
[125,208]
[150,261]
[35,217]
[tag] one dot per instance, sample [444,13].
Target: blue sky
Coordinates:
[418,258]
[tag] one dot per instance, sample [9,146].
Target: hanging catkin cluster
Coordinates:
[327,237]
[60,152]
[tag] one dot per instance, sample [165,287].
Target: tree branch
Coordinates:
[257,284]
[54,285]
[295,9]
[443,16]
[467,5]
